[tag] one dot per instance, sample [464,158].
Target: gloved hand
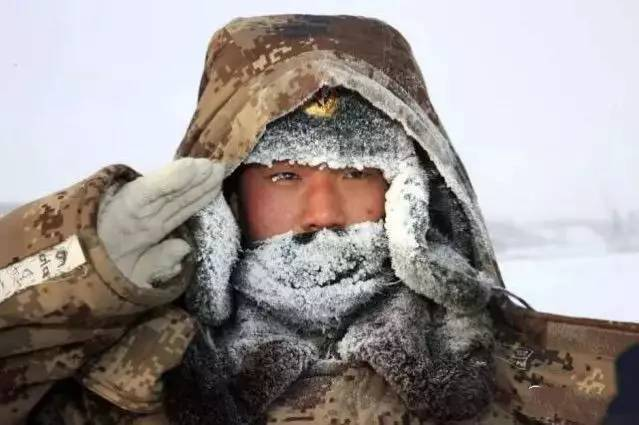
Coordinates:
[429,267]
[134,219]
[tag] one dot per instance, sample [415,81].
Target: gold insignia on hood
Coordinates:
[323,105]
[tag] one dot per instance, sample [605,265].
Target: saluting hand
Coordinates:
[135,219]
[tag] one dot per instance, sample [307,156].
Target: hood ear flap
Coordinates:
[449,224]
[430,241]
[217,239]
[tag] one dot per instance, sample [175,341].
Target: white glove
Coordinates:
[433,269]
[134,220]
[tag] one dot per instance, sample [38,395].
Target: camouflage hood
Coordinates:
[259,69]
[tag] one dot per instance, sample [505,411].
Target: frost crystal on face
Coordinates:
[315,280]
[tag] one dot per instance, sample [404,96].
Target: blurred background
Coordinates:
[540,100]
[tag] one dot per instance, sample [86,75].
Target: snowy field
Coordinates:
[600,286]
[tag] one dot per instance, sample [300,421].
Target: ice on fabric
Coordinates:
[358,136]
[430,268]
[440,370]
[421,324]
[315,280]
[217,241]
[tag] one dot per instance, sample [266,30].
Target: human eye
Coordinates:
[284,176]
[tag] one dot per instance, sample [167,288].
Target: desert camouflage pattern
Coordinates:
[561,369]
[128,374]
[50,331]
[356,396]
[258,69]
[91,347]
[551,370]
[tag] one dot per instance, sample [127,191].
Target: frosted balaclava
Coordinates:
[317,280]
[373,292]
[337,129]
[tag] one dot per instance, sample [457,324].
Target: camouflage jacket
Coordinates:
[80,344]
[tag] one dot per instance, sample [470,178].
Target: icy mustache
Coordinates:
[325,257]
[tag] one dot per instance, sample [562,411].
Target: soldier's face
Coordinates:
[289,197]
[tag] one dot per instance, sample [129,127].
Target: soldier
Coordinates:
[315,254]
[330,271]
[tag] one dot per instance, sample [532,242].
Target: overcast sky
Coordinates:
[541,98]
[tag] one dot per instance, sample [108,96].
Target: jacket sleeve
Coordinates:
[62,300]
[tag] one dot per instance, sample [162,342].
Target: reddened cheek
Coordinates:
[274,212]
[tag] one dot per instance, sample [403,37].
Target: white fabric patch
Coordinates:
[41,267]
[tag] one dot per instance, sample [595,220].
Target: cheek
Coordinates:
[365,203]
[375,206]
[267,212]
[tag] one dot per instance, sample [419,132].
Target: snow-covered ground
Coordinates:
[599,285]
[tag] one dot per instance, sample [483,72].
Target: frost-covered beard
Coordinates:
[314,281]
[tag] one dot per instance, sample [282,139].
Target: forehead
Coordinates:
[291,165]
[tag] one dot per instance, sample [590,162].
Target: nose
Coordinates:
[323,206]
